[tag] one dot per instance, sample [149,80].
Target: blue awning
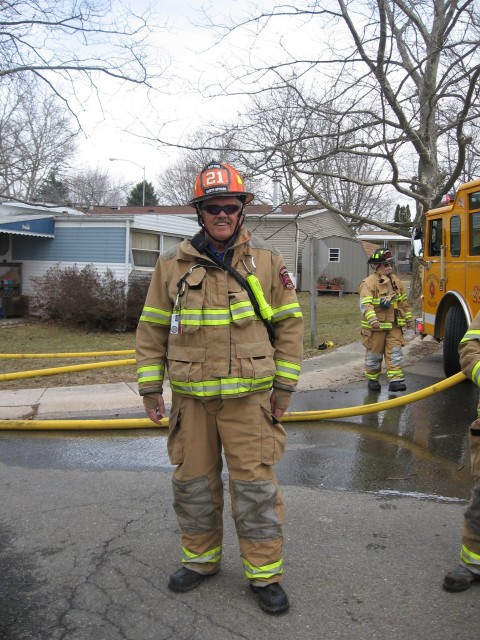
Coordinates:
[40,226]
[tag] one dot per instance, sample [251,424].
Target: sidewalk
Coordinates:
[121,400]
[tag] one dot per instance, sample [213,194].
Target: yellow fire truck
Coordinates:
[449,250]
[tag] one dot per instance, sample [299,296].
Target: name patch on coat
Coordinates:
[285,278]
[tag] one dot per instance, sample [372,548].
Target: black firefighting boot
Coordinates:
[185,580]
[271,598]
[397,385]
[459,579]
[374,385]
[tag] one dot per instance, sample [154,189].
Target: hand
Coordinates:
[279,397]
[154,407]
[375,325]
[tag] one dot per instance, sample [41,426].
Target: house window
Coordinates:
[170,241]
[402,251]
[146,247]
[334,255]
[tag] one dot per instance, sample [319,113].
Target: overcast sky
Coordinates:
[188,54]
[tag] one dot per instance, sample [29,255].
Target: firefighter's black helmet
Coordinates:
[381,256]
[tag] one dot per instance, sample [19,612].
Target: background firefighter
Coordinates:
[468,569]
[233,360]
[385,313]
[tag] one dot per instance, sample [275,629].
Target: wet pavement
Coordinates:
[88,534]
[420,448]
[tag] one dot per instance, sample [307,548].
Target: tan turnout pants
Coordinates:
[470,552]
[252,441]
[383,344]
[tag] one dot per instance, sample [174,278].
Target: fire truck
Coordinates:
[449,251]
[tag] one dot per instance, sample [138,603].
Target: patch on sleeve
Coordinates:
[285,278]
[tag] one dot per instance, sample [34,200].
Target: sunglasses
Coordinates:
[214,209]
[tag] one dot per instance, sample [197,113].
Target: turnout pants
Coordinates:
[252,441]
[470,551]
[383,344]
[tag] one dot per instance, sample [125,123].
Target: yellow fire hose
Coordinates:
[76,354]
[34,373]
[299,416]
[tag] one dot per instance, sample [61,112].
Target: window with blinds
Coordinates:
[146,247]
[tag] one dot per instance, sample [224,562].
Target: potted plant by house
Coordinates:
[330,283]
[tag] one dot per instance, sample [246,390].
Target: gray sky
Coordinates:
[189,56]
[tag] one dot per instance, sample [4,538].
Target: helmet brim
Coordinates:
[243,195]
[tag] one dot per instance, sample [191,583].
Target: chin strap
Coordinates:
[200,243]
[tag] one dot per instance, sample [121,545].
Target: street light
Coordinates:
[137,165]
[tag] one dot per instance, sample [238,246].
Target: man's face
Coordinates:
[385,268]
[220,225]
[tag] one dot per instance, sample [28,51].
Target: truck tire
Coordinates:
[455,328]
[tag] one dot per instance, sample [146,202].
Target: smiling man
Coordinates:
[222,316]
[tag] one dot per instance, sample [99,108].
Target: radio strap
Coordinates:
[200,243]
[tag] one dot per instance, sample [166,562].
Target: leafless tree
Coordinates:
[402,86]
[95,187]
[62,53]
[64,41]
[37,135]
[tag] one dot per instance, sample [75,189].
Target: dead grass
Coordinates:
[337,321]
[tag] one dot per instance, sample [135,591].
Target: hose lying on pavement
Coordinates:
[299,416]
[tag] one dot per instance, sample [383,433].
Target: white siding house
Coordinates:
[288,228]
[35,238]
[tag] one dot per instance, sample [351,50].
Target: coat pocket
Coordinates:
[256,360]
[241,309]
[185,364]
[192,301]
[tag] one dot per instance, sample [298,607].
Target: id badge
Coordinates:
[175,326]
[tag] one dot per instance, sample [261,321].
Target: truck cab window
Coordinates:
[475,234]
[455,236]
[435,239]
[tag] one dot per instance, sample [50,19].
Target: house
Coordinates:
[400,246]
[34,238]
[128,240]
[288,227]
[335,258]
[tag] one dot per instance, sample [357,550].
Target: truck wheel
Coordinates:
[455,328]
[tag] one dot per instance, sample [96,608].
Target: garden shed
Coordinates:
[336,258]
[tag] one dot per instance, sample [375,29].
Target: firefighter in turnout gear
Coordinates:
[222,317]
[385,313]
[467,570]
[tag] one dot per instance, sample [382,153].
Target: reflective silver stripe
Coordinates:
[469,556]
[292,310]
[159,316]
[241,310]
[476,374]
[151,373]
[205,317]
[472,334]
[213,555]
[267,571]
[222,386]
[287,369]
